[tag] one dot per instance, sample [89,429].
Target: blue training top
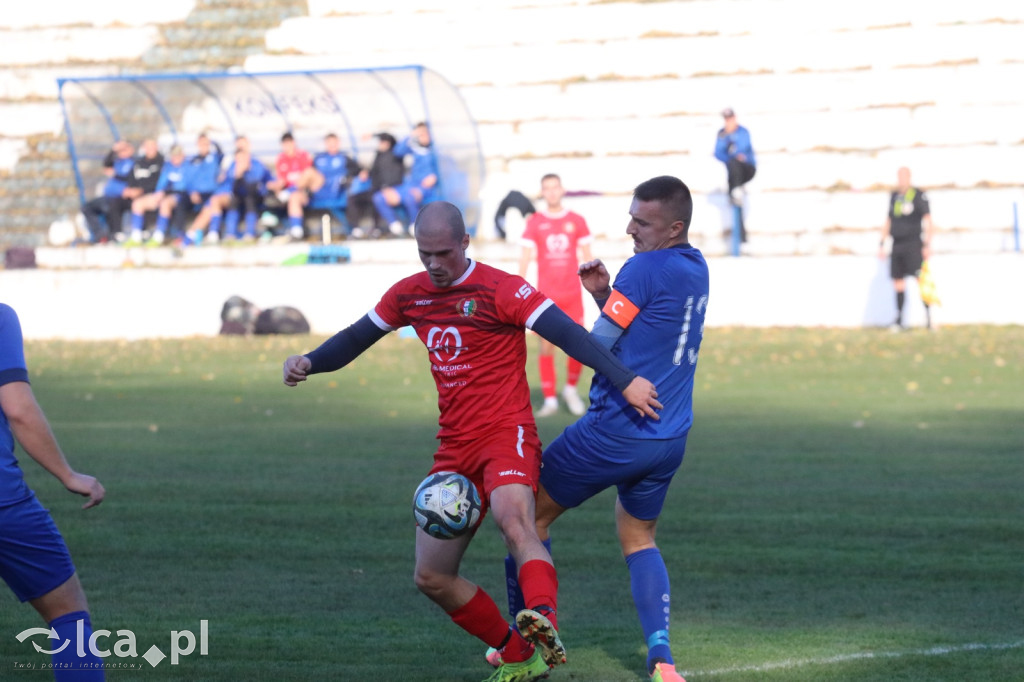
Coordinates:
[173,178]
[12,368]
[670,289]
[423,161]
[202,173]
[736,142]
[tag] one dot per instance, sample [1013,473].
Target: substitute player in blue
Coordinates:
[653,320]
[34,561]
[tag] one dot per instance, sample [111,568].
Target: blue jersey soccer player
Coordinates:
[653,320]
[34,561]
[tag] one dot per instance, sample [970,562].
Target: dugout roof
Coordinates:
[353,103]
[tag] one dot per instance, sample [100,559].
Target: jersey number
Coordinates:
[691,353]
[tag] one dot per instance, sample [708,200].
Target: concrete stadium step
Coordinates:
[107,13]
[50,46]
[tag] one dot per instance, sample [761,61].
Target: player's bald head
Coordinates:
[440,217]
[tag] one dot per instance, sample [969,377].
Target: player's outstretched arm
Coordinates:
[558,328]
[32,431]
[335,352]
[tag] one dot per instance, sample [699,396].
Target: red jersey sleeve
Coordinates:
[387,314]
[518,302]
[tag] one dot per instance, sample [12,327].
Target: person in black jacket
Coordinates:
[387,170]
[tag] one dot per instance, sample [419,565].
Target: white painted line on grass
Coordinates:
[844,658]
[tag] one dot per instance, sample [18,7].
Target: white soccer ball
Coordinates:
[447,505]
[62,232]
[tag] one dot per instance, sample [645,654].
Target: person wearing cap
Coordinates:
[733,148]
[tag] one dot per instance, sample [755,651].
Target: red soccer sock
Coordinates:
[539,582]
[481,618]
[517,649]
[547,375]
[573,369]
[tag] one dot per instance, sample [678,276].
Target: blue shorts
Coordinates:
[583,461]
[33,557]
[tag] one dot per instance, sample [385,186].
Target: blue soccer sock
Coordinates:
[648,580]
[231,224]
[387,213]
[295,221]
[161,223]
[250,223]
[516,602]
[68,666]
[138,219]
[215,222]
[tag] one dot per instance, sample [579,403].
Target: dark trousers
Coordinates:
[247,197]
[104,215]
[360,207]
[740,173]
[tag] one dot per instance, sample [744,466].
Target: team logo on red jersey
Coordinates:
[444,344]
[466,307]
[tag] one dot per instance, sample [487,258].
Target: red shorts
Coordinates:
[509,455]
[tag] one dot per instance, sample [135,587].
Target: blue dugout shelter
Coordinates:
[353,103]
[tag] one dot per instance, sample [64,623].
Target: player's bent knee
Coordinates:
[432,583]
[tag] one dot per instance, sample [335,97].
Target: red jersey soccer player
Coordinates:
[471,317]
[557,236]
[291,162]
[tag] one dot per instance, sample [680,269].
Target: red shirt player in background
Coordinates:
[561,240]
[290,164]
[471,318]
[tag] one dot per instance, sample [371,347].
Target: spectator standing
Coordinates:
[471,318]
[34,559]
[733,148]
[557,236]
[104,214]
[909,223]
[418,189]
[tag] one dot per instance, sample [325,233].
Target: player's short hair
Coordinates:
[550,176]
[446,213]
[330,135]
[287,137]
[670,191]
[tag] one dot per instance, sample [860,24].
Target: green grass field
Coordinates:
[851,507]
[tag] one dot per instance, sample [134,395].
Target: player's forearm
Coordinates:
[33,433]
[555,326]
[345,346]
